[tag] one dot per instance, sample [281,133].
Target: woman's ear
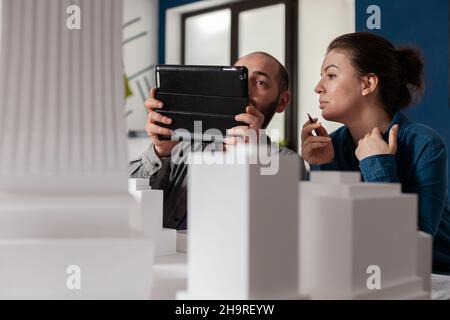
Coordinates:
[369,83]
[283,101]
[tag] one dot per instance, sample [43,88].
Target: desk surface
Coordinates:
[170,276]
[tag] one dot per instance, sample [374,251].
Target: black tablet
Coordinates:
[202,100]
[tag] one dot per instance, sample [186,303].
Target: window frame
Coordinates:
[291,50]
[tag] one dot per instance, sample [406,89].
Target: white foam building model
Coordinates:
[361,240]
[148,218]
[64,203]
[242,229]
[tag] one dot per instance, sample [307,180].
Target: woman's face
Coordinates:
[340,88]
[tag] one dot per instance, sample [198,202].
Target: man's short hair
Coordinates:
[283,75]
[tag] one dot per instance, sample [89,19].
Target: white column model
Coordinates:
[64,204]
[242,230]
[360,240]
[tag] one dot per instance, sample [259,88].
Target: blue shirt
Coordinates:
[420,165]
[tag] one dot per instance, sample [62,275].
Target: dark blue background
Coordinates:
[163,6]
[423,24]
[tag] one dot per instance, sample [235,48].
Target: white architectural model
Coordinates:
[64,205]
[242,231]
[148,218]
[360,240]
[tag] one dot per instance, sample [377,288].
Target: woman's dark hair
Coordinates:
[399,70]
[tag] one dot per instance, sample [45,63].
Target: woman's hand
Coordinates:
[373,144]
[316,149]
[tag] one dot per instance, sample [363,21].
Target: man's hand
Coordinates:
[254,120]
[316,149]
[162,148]
[373,144]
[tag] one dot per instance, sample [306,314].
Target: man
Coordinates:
[268,94]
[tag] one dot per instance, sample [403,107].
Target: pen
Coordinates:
[312,121]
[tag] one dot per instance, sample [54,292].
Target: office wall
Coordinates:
[424,23]
[140,25]
[1,22]
[320,21]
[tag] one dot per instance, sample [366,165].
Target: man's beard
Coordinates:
[268,111]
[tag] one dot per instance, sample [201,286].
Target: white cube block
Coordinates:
[242,231]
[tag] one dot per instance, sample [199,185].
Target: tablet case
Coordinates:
[213,95]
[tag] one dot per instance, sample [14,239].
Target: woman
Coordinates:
[365,83]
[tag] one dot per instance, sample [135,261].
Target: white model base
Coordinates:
[360,240]
[424,260]
[170,276]
[109,268]
[46,241]
[409,289]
